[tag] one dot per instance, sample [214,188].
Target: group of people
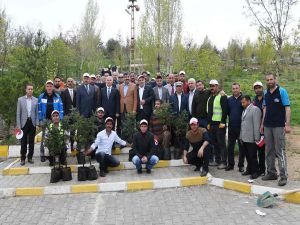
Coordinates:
[258,125]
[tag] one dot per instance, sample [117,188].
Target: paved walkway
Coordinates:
[196,205]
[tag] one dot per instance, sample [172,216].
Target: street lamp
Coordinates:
[133,8]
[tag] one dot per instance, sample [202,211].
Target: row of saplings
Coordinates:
[83,130]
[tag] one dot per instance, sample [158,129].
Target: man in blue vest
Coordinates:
[216,115]
[276,122]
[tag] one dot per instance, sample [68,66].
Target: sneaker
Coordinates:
[197,169]
[22,162]
[43,158]
[30,161]
[139,171]
[229,168]
[102,173]
[148,171]
[241,169]
[203,173]
[254,176]
[282,182]
[269,177]
[51,163]
[213,164]
[221,166]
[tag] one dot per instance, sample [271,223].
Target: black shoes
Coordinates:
[139,171]
[203,173]
[148,171]
[102,173]
[197,169]
[241,169]
[282,182]
[269,177]
[30,161]
[254,176]
[22,162]
[228,168]
[43,158]
[246,173]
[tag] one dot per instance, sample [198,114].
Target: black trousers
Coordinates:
[142,115]
[193,158]
[106,160]
[251,156]
[28,138]
[218,140]
[261,159]
[233,136]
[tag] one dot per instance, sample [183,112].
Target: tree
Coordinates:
[265,52]
[89,41]
[234,50]
[4,40]
[273,16]
[160,30]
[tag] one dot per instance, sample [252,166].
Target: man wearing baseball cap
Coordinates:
[198,138]
[258,88]
[143,148]
[100,120]
[47,102]
[217,115]
[103,145]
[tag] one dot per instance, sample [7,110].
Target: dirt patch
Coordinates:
[293,153]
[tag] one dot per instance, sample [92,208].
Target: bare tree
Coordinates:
[273,16]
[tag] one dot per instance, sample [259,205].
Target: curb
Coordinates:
[129,186]
[9,171]
[252,189]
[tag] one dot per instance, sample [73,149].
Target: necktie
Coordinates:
[172,91]
[108,93]
[71,94]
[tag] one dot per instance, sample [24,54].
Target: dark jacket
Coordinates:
[67,101]
[235,110]
[173,100]
[143,144]
[224,106]
[200,103]
[86,102]
[148,96]
[111,105]
[196,140]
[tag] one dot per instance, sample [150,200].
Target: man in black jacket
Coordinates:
[143,147]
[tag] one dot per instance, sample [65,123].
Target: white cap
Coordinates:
[54,111]
[178,83]
[141,76]
[109,119]
[258,83]
[49,82]
[213,82]
[193,121]
[100,109]
[85,75]
[181,72]
[143,121]
[92,76]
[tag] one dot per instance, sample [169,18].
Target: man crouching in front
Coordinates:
[104,142]
[143,147]
[199,139]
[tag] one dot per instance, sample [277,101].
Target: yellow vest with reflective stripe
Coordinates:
[61,131]
[217,109]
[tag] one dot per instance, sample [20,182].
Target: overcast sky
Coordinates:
[221,20]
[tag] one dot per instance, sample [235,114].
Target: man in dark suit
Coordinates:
[110,99]
[145,100]
[68,97]
[160,92]
[179,101]
[86,97]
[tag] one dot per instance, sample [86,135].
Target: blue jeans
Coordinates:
[106,160]
[151,162]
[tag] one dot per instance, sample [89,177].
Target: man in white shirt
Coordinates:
[104,141]
[192,89]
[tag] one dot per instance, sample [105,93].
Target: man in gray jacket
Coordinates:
[27,120]
[249,135]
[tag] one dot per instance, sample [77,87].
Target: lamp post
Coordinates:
[133,7]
